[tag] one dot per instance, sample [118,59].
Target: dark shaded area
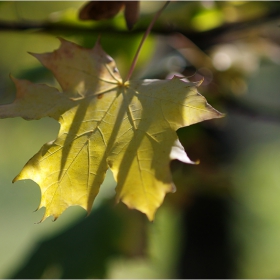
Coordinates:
[205,253]
[206,250]
[80,251]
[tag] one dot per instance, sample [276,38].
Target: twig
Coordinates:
[203,40]
[143,40]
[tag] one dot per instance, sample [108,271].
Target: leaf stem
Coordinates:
[143,40]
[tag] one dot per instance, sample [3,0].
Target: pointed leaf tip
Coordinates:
[178,152]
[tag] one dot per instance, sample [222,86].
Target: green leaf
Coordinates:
[128,127]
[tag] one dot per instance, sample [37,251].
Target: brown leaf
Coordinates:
[98,10]
[131,13]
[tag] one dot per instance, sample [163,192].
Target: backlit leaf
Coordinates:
[129,127]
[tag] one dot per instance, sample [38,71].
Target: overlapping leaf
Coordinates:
[128,127]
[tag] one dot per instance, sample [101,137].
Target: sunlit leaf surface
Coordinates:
[129,127]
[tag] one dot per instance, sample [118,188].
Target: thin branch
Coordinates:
[203,39]
[143,40]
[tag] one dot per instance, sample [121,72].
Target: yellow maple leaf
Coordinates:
[105,123]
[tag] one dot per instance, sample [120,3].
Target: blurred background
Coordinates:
[224,219]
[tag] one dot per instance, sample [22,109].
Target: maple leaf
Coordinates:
[129,127]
